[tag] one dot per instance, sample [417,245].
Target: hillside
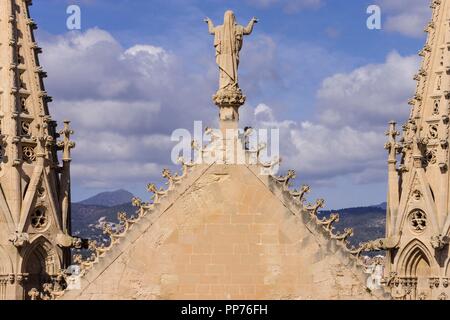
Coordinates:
[109,199]
[368,223]
[89,215]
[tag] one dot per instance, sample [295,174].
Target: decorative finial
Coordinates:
[392,145]
[66,145]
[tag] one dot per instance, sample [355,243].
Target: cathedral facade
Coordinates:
[217,229]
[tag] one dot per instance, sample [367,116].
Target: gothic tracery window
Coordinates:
[418,220]
[28,154]
[39,219]
[430,157]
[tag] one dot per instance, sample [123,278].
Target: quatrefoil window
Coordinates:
[39,219]
[418,220]
[430,157]
[28,154]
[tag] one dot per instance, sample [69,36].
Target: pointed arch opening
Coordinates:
[415,260]
[40,262]
[416,265]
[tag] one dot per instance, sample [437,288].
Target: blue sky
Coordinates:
[311,68]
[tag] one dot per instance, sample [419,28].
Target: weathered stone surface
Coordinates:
[418,220]
[225,239]
[34,190]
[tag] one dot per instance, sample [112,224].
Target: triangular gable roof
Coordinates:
[150,216]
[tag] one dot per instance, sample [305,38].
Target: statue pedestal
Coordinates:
[229,101]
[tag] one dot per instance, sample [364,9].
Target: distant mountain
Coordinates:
[89,216]
[382,205]
[109,199]
[368,223]
[88,220]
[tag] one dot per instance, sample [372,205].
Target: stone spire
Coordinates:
[34,211]
[418,212]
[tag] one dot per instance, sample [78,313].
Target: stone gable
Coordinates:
[229,233]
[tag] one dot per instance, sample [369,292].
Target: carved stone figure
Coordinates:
[228,40]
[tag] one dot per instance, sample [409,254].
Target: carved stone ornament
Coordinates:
[19,239]
[443,296]
[417,195]
[439,241]
[34,294]
[434,283]
[28,153]
[229,97]
[433,131]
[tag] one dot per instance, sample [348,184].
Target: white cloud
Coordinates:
[94,65]
[347,138]
[319,152]
[324,152]
[109,115]
[408,17]
[280,72]
[123,104]
[113,175]
[370,95]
